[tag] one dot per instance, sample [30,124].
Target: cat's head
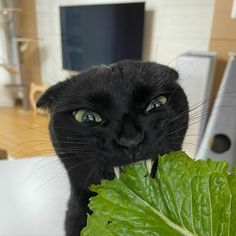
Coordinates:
[121,113]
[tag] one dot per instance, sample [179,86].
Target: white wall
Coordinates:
[172,27]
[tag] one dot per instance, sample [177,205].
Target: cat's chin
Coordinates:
[148,163]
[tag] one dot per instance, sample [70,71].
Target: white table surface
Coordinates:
[33,197]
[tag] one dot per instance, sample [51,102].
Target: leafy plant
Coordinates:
[187,197]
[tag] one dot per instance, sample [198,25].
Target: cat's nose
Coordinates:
[130,134]
[131,142]
[131,146]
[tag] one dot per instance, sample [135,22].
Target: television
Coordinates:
[101,34]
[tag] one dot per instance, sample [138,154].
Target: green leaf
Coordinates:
[187,197]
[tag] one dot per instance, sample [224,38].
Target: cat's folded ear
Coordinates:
[50,96]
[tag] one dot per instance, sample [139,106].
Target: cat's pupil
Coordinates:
[88,118]
[156,104]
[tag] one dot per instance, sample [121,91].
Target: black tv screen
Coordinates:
[101,34]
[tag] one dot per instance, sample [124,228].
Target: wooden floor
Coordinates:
[24,134]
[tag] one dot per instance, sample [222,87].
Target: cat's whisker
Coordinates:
[78,142]
[92,171]
[68,138]
[49,180]
[71,150]
[181,136]
[193,121]
[176,88]
[23,147]
[45,152]
[179,129]
[21,130]
[32,128]
[60,151]
[196,48]
[34,169]
[55,159]
[56,141]
[206,112]
[189,143]
[38,153]
[63,171]
[191,116]
[200,104]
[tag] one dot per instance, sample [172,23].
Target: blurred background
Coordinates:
[45,41]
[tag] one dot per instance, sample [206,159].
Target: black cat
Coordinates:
[111,115]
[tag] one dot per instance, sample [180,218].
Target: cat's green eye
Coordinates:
[156,103]
[87,116]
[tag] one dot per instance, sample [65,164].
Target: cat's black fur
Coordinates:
[119,93]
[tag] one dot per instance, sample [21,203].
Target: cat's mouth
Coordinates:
[148,163]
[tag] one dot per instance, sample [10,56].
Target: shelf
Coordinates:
[26,39]
[6,10]
[16,86]
[11,70]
